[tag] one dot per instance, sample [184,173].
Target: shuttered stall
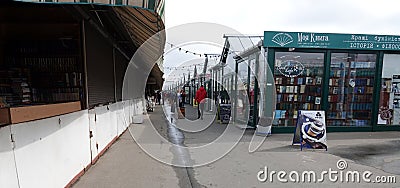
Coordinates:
[121,63]
[100,68]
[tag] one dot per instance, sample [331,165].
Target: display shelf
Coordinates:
[351,86]
[303,92]
[41,72]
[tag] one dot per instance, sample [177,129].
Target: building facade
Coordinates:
[63,71]
[354,78]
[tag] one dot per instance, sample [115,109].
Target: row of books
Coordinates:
[357,81]
[291,89]
[55,95]
[340,65]
[350,90]
[336,115]
[38,47]
[283,122]
[284,115]
[362,65]
[338,73]
[297,98]
[68,79]
[357,123]
[348,115]
[45,64]
[330,122]
[362,73]
[337,107]
[298,106]
[311,90]
[353,98]
[312,71]
[318,81]
[335,123]
[340,107]
[298,80]
[353,73]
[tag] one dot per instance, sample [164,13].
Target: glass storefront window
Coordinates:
[351,86]
[242,103]
[389,103]
[299,81]
[252,82]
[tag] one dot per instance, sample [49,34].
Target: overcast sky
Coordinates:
[256,16]
[253,17]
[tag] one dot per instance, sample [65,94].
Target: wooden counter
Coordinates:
[29,113]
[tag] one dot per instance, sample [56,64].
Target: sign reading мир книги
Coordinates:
[331,41]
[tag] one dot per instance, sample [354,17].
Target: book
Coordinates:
[318,80]
[309,81]
[317,100]
[302,88]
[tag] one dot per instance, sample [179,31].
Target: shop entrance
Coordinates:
[247,92]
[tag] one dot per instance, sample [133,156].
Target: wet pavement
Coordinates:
[384,156]
[378,152]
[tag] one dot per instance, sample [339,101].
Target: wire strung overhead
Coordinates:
[191,52]
[191,66]
[184,67]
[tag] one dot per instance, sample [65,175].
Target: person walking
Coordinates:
[183,96]
[159,97]
[201,94]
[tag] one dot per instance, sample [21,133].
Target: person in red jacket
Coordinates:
[201,95]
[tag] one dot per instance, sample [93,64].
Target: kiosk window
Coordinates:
[389,103]
[298,81]
[351,86]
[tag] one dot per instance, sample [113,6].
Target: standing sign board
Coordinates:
[311,129]
[224,113]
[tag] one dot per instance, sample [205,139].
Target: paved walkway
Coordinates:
[126,165]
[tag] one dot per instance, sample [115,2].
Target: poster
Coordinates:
[311,130]
[224,113]
[396,84]
[395,98]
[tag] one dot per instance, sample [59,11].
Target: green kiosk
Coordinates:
[354,78]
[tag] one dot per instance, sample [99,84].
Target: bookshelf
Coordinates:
[303,92]
[351,85]
[41,72]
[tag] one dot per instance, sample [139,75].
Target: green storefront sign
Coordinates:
[331,41]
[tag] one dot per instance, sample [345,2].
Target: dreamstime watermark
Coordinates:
[341,175]
[182,40]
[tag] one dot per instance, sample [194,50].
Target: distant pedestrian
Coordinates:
[179,96]
[201,94]
[183,96]
[159,97]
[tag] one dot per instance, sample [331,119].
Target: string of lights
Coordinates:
[191,66]
[191,52]
[177,79]
[185,67]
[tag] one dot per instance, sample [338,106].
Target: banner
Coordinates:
[311,130]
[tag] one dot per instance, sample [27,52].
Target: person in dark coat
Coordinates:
[159,97]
